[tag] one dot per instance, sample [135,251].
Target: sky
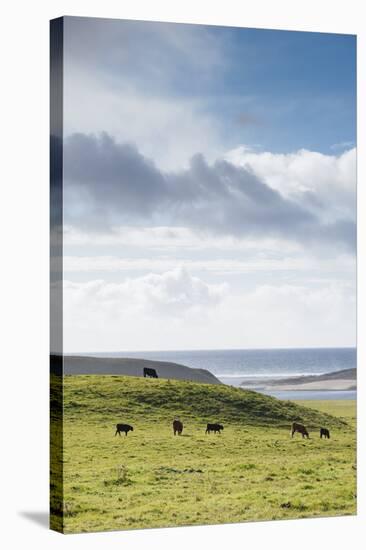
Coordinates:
[209,187]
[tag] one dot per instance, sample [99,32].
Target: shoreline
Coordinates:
[334,385]
[344,380]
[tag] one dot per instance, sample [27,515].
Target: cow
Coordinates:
[214,428]
[150,373]
[325,432]
[177,427]
[123,428]
[299,428]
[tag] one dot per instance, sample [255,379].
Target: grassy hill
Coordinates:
[140,400]
[254,470]
[132,366]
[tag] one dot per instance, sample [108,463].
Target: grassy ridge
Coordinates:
[122,398]
[345,410]
[253,471]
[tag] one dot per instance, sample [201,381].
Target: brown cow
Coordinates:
[299,428]
[177,427]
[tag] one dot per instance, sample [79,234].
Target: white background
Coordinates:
[24,271]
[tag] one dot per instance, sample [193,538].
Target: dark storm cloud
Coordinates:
[110,184]
[115,178]
[230,200]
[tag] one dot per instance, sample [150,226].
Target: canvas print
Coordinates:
[203,274]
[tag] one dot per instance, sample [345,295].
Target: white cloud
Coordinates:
[325,183]
[121,76]
[169,130]
[298,264]
[177,311]
[156,192]
[294,316]
[110,183]
[171,238]
[173,292]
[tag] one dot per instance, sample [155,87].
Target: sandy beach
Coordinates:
[325,385]
[344,380]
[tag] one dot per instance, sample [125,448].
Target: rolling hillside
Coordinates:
[140,399]
[254,470]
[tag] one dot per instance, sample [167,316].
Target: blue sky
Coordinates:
[210,187]
[275,90]
[303,87]
[295,89]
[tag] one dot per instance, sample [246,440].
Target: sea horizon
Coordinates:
[236,366]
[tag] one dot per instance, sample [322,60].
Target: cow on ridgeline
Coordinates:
[325,432]
[216,428]
[150,373]
[299,428]
[123,428]
[177,427]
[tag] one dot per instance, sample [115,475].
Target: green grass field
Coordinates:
[345,410]
[252,471]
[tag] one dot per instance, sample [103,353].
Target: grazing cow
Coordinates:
[150,373]
[299,428]
[177,427]
[214,428]
[123,428]
[325,432]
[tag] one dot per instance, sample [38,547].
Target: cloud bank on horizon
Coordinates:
[210,187]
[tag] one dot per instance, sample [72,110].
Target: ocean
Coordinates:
[235,366]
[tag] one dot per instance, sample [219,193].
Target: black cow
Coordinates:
[177,427]
[299,428]
[214,428]
[325,432]
[123,428]
[150,373]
